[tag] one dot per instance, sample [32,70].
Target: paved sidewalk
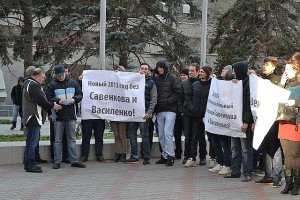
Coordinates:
[111,181]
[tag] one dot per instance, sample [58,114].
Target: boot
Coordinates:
[123,157]
[117,157]
[296,186]
[288,185]
[13,125]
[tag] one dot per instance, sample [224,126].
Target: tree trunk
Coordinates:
[26,7]
[124,49]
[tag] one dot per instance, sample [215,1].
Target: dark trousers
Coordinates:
[64,144]
[194,131]
[89,127]
[242,154]
[222,144]
[32,140]
[178,128]
[211,150]
[132,133]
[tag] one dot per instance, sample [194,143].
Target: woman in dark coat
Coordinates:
[289,133]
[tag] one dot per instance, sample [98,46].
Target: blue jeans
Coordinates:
[32,141]
[166,122]
[241,155]
[274,166]
[132,133]
[67,127]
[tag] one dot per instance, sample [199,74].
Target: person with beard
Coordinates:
[242,151]
[168,94]
[289,133]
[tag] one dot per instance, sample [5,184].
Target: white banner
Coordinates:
[115,96]
[224,108]
[264,98]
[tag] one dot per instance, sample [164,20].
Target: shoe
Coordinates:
[265,180]
[288,185]
[146,162]
[117,157]
[276,184]
[161,161]
[190,163]
[34,169]
[56,166]
[225,171]
[99,158]
[233,176]
[123,157]
[216,169]
[246,178]
[132,160]
[211,163]
[78,165]
[170,161]
[184,160]
[66,161]
[296,186]
[41,161]
[83,159]
[202,162]
[13,126]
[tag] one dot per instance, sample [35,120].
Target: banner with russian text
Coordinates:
[114,96]
[265,98]
[224,108]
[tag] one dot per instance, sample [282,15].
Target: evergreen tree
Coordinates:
[256,28]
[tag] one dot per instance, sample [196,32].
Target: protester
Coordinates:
[150,102]
[222,143]
[242,151]
[120,131]
[178,127]
[33,100]
[16,97]
[88,127]
[289,133]
[271,145]
[200,94]
[66,92]
[168,93]
[191,119]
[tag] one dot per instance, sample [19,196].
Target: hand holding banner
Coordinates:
[224,108]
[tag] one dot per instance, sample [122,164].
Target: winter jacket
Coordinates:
[66,89]
[150,95]
[241,72]
[187,97]
[16,95]
[168,90]
[200,96]
[33,101]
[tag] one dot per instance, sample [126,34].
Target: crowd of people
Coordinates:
[174,106]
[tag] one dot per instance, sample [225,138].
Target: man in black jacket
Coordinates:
[242,151]
[168,93]
[66,92]
[16,97]
[34,100]
[191,122]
